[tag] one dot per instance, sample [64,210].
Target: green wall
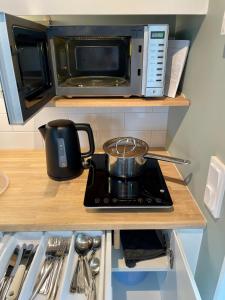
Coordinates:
[198,133]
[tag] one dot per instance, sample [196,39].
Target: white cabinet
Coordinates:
[154,283]
[153,279]
[100,7]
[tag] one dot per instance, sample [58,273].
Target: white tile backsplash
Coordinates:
[4,124]
[17,140]
[105,135]
[160,109]
[2,104]
[28,126]
[48,114]
[158,138]
[100,121]
[147,123]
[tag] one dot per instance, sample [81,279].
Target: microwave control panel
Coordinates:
[154,60]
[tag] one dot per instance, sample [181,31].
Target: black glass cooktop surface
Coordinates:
[146,191]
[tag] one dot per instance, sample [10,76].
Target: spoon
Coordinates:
[95,246]
[83,244]
[95,268]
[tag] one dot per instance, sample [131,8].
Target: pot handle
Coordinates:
[168,158]
[87,128]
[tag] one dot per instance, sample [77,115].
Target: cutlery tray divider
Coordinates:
[64,291]
[19,238]
[4,239]
[36,265]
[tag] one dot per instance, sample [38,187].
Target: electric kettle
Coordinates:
[63,154]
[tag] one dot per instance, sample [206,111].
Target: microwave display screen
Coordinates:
[157,34]
[97,58]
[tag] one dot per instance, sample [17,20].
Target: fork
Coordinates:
[57,271]
[57,249]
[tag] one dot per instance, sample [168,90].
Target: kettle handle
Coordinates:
[87,128]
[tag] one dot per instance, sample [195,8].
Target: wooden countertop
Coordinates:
[120,102]
[35,202]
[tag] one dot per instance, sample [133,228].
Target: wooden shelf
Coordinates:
[120,102]
[158,264]
[100,7]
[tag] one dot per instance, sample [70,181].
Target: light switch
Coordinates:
[223,26]
[215,187]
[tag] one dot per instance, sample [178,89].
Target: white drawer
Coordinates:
[68,267]
[4,238]
[115,280]
[158,281]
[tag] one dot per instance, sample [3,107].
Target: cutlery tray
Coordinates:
[4,238]
[10,243]
[70,261]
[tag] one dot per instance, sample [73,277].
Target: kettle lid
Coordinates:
[60,123]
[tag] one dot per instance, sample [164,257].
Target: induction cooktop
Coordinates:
[148,191]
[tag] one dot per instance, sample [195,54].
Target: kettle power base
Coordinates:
[148,191]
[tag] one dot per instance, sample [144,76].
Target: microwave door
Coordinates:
[25,67]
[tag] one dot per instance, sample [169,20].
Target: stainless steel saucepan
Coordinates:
[127,156]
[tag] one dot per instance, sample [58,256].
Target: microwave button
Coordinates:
[153,92]
[97,200]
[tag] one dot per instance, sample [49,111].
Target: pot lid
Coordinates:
[125,147]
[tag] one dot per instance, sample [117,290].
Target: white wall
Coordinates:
[199,133]
[149,124]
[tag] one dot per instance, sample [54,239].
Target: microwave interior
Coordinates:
[92,61]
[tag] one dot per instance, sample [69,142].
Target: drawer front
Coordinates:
[41,239]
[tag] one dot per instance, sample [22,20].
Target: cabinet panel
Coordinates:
[179,283]
[191,242]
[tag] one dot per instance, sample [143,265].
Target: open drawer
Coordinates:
[40,240]
[154,280]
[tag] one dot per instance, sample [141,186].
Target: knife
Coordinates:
[31,257]
[12,264]
[15,286]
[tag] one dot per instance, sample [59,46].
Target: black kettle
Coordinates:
[62,145]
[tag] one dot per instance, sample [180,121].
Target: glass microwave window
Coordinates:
[97,58]
[30,67]
[33,68]
[157,34]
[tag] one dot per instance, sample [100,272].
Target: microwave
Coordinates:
[38,63]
